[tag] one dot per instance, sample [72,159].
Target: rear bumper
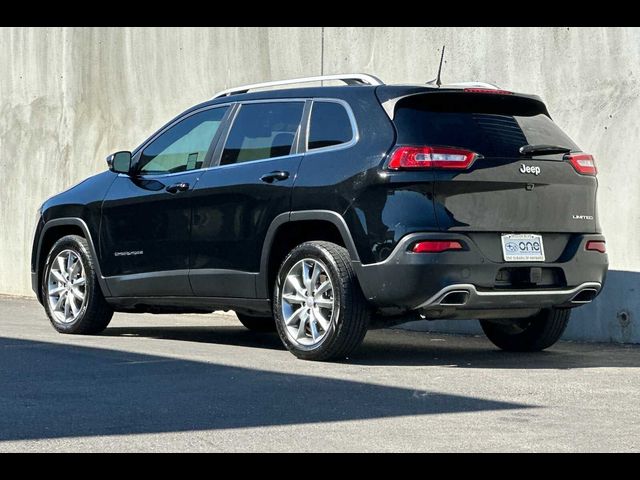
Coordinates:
[468,296]
[459,284]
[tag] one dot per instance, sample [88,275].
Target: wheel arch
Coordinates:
[338,232]
[55,229]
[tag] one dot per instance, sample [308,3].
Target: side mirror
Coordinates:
[119,162]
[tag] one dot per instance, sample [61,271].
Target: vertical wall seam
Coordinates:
[321,50]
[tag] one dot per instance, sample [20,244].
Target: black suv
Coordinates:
[323,211]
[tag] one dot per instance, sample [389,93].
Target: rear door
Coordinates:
[235,202]
[503,190]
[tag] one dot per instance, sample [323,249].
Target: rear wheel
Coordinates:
[70,291]
[257,324]
[319,309]
[528,334]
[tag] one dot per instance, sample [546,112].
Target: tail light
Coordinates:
[436,246]
[583,163]
[409,158]
[596,246]
[488,90]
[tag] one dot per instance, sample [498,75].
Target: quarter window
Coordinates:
[184,146]
[330,125]
[261,131]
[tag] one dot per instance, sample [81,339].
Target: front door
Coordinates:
[235,202]
[146,217]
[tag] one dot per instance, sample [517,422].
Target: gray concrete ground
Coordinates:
[204,383]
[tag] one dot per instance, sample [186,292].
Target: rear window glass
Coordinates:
[491,126]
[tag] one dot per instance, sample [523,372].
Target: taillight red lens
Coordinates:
[488,90]
[597,246]
[583,163]
[436,246]
[431,157]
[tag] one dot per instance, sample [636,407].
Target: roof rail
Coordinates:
[490,86]
[348,78]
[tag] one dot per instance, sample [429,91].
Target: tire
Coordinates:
[93,312]
[340,307]
[257,324]
[529,334]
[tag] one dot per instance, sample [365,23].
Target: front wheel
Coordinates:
[320,311]
[528,334]
[70,291]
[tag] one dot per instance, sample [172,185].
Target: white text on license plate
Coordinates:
[522,248]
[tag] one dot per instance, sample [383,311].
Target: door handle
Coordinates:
[276,176]
[177,187]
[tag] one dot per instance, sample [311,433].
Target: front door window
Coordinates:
[184,146]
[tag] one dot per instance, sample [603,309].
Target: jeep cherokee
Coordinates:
[321,211]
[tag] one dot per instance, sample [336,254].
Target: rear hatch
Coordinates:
[503,190]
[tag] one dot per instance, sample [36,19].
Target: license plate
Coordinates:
[522,248]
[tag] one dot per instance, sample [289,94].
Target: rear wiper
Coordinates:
[542,149]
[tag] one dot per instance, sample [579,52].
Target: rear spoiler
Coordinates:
[390,96]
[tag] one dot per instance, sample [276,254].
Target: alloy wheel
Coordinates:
[308,303]
[66,287]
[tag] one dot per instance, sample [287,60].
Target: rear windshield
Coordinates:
[491,125]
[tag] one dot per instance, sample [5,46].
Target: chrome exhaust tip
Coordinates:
[586,295]
[455,298]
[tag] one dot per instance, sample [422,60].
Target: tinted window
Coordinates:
[262,130]
[492,126]
[330,125]
[184,146]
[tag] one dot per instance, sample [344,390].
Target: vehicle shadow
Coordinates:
[233,335]
[400,347]
[54,390]
[404,348]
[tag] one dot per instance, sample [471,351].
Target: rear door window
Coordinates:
[489,125]
[261,131]
[330,125]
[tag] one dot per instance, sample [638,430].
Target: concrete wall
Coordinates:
[68,97]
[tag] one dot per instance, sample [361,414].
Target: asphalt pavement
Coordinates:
[204,383]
